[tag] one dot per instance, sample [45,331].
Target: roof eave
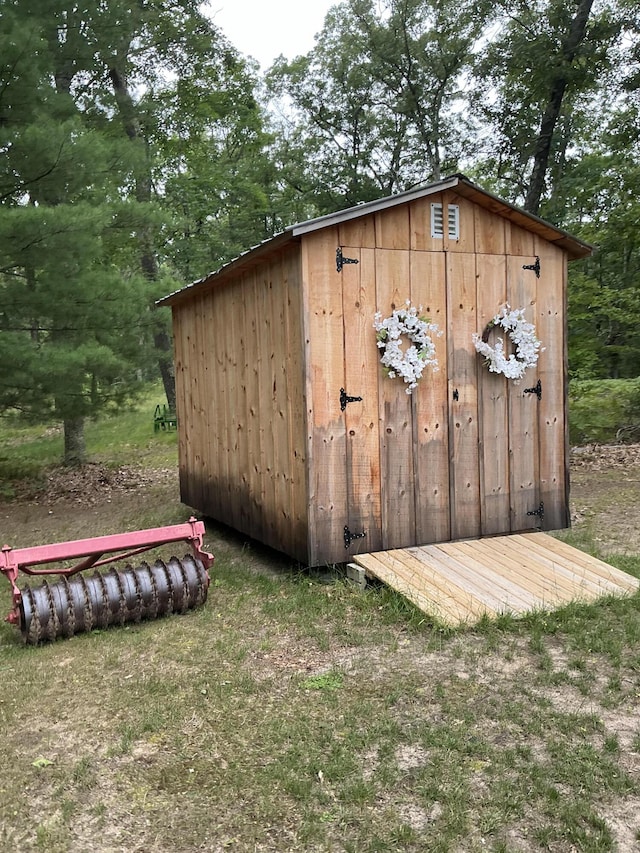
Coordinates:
[369,207]
[243,261]
[574,247]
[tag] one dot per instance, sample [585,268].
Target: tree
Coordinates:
[108,113]
[219,185]
[595,196]
[67,345]
[376,104]
[534,86]
[600,192]
[572,40]
[168,70]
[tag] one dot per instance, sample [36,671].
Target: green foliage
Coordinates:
[604,291]
[534,82]
[135,156]
[372,109]
[325,681]
[210,136]
[69,341]
[604,411]
[131,161]
[69,344]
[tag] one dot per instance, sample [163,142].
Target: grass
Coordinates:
[112,440]
[293,714]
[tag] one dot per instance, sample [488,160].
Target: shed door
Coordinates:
[397,457]
[397,464]
[508,417]
[363,509]
[459,457]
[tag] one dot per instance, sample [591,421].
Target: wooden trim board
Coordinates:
[458,582]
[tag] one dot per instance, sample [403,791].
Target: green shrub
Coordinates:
[604,411]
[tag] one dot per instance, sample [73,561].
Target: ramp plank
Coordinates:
[524,564]
[457,596]
[593,564]
[391,572]
[497,587]
[457,583]
[544,586]
[564,567]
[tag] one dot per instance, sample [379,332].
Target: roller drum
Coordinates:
[116,597]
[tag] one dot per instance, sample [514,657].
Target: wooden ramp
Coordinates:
[458,582]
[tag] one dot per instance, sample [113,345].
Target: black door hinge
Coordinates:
[349,536]
[345,398]
[537,390]
[341,260]
[535,267]
[539,512]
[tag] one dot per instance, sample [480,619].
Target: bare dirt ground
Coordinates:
[605,496]
[90,501]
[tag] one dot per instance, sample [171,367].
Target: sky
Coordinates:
[264,29]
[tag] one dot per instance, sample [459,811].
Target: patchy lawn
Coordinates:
[292,713]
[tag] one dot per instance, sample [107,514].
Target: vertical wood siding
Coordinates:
[550,325]
[358,232]
[420,225]
[361,417]
[523,408]
[256,482]
[492,400]
[395,414]
[239,362]
[431,409]
[183,402]
[462,322]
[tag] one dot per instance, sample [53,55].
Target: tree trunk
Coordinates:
[550,116]
[75,452]
[148,262]
[164,349]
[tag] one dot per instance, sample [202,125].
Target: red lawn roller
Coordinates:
[77,603]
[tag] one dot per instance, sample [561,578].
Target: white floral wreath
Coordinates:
[410,363]
[523,335]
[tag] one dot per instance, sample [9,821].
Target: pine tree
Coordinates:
[67,343]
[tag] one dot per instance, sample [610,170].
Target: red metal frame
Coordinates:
[128,545]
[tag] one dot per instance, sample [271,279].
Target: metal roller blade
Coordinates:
[78,604]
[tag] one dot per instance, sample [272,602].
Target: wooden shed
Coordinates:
[291,432]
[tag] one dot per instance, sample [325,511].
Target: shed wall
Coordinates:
[240,399]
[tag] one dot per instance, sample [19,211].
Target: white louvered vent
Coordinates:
[453,221]
[437,229]
[453,212]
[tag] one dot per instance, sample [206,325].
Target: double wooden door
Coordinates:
[468,453]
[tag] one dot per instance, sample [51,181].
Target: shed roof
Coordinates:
[574,247]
